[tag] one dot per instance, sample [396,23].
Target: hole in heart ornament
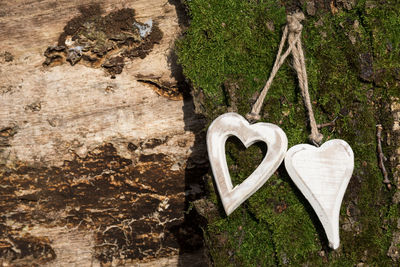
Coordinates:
[243,161]
[232,124]
[322,175]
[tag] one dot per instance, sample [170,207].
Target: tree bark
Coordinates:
[351,54]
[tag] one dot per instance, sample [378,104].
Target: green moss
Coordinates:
[238,240]
[241,161]
[352,63]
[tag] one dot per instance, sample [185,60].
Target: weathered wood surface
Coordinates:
[232,124]
[322,175]
[93,169]
[53,106]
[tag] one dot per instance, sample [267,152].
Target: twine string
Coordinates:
[291,33]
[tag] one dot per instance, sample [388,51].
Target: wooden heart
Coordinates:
[232,124]
[322,175]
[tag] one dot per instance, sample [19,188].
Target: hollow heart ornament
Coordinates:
[322,175]
[232,124]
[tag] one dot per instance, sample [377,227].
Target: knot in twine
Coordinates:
[252,117]
[292,32]
[294,22]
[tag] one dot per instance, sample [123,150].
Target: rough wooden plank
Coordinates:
[52,107]
[93,170]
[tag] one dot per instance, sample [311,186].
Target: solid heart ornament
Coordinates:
[232,124]
[322,175]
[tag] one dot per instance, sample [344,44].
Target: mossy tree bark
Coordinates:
[352,51]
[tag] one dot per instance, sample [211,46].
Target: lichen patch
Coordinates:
[103,41]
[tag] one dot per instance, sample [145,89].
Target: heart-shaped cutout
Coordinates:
[322,175]
[232,124]
[243,161]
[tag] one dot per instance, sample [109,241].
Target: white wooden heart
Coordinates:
[232,124]
[322,175]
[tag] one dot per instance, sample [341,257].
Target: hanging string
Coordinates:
[291,32]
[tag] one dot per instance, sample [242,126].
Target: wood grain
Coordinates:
[81,152]
[80,103]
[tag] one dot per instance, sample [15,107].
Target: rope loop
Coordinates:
[292,33]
